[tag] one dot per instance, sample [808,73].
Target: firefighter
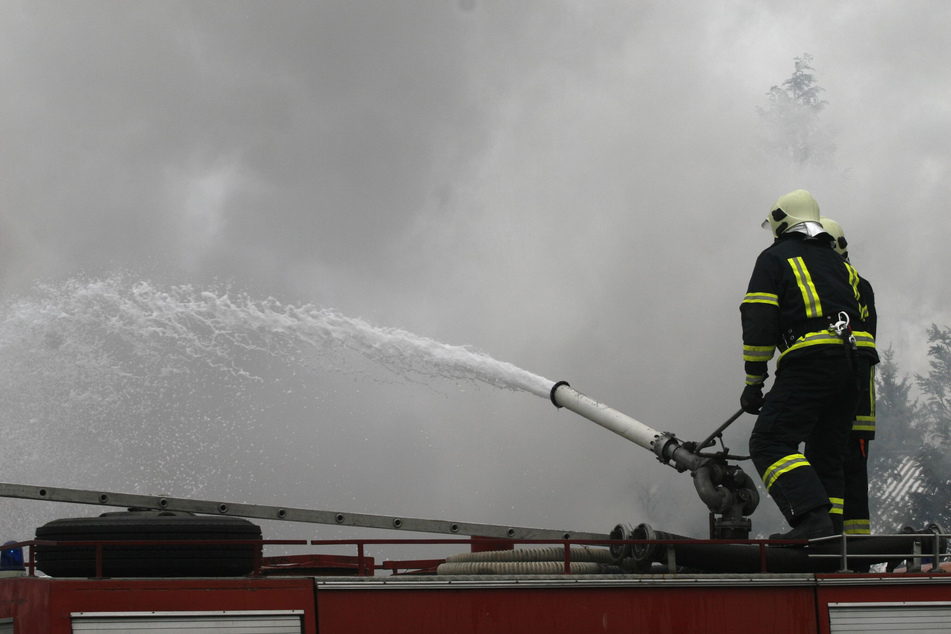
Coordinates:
[855,469]
[803,300]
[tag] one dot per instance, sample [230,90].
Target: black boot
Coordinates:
[815,523]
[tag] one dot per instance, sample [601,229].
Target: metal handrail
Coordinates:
[843,540]
[365,565]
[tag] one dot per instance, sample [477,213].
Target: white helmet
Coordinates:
[834,229]
[790,210]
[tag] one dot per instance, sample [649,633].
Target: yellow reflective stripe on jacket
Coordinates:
[758,353]
[822,337]
[837,505]
[863,339]
[761,298]
[866,421]
[781,466]
[810,296]
[856,527]
[755,379]
[854,281]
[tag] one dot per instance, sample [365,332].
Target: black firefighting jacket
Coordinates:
[864,424]
[798,288]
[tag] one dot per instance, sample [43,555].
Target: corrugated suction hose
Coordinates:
[527,561]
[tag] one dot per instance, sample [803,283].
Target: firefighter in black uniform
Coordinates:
[803,299]
[855,469]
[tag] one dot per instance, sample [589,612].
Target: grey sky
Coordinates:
[571,187]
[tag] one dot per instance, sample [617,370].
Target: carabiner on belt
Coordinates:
[842,329]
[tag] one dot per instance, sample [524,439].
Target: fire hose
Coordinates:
[724,488]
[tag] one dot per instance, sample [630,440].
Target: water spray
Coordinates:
[729,493]
[134,342]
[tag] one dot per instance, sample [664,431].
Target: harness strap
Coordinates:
[814,325]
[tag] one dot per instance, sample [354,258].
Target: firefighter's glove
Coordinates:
[752,398]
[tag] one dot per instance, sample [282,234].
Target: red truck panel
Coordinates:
[43,605]
[738,610]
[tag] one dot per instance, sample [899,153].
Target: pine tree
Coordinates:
[793,130]
[909,464]
[932,501]
[893,465]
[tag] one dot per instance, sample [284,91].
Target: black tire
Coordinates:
[156,560]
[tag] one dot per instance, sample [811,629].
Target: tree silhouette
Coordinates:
[909,464]
[892,455]
[932,500]
[793,130]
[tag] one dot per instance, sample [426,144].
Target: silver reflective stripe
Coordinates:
[910,616]
[6,626]
[783,465]
[214,622]
[761,298]
[864,339]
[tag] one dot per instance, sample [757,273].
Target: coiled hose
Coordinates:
[527,561]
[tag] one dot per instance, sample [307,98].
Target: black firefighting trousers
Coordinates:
[812,401]
[856,513]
